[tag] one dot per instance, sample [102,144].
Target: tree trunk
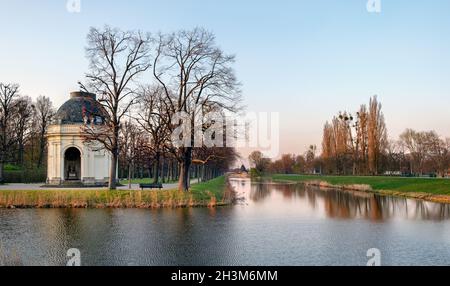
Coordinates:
[112,171]
[163,180]
[21,152]
[41,156]
[156,168]
[169,171]
[184,180]
[41,149]
[129,177]
[203,173]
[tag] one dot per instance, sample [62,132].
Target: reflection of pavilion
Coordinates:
[70,159]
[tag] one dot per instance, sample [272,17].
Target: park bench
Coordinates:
[150,186]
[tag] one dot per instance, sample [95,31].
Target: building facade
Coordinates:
[70,159]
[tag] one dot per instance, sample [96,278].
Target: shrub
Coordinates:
[26,176]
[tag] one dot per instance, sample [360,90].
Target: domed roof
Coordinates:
[80,105]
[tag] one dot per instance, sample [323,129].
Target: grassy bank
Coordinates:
[210,194]
[433,189]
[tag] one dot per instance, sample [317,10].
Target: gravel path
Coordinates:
[38,187]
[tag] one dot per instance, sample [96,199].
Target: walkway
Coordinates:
[37,187]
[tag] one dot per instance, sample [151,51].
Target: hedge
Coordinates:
[25,176]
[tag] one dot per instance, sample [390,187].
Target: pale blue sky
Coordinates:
[304,59]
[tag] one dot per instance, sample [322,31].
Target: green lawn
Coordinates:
[215,187]
[204,194]
[435,186]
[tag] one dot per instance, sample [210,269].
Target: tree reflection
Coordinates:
[348,204]
[336,203]
[260,191]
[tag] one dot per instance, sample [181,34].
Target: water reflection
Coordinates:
[279,224]
[341,204]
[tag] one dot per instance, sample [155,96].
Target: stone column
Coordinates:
[59,163]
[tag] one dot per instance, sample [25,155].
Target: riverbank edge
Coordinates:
[445,199]
[119,199]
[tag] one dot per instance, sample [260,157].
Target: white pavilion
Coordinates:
[71,161]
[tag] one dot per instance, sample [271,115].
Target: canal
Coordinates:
[272,224]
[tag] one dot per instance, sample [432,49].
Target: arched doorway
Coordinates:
[72,164]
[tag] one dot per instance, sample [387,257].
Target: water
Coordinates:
[274,225]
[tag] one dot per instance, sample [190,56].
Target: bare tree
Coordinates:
[415,142]
[377,135]
[43,114]
[116,59]
[196,76]
[395,157]
[23,110]
[299,164]
[338,149]
[153,118]
[328,148]
[310,157]
[8,93]
[258,161]
[128,144]
[348,145]
[211,162]
[358,143]
[362,140]
[439,153]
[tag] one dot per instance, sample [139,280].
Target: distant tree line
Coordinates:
[23,124]
[140,157]
[308,163]
[359,145]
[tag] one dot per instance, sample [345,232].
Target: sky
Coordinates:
[307,60]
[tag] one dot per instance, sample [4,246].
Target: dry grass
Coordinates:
[209,194]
